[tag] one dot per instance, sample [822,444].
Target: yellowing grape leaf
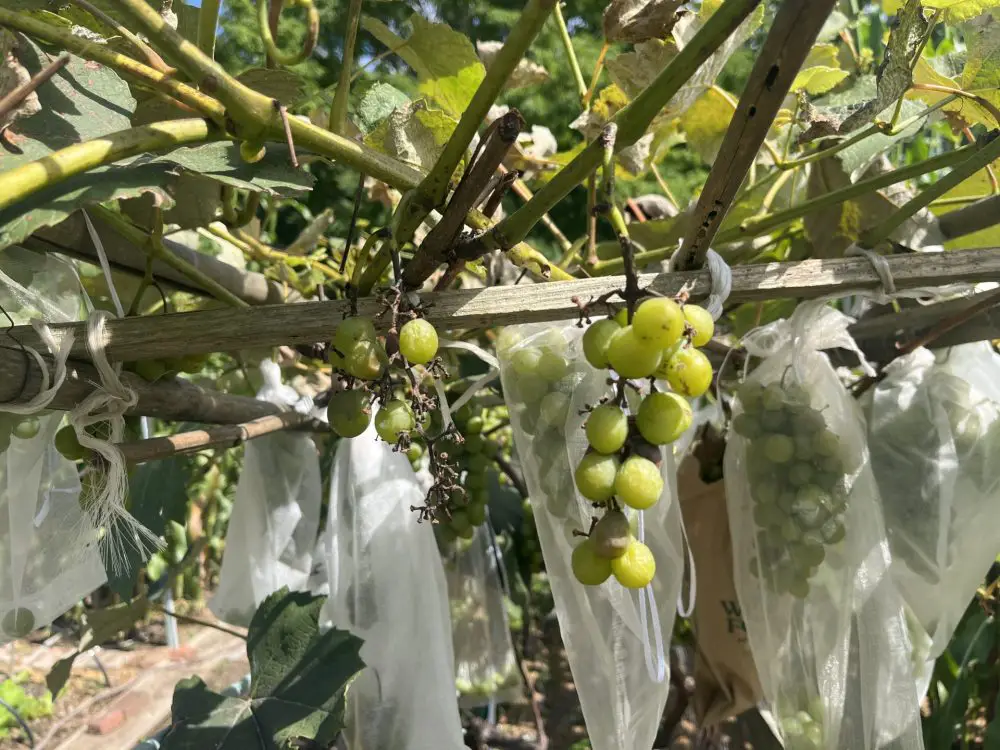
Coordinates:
[818,79]
[446,63]
[705,123]
[413,133]
[961,112]
[976,187]
[638,20]
[527,72]
[982,66]
[894,75]
[822,54]
[954,10]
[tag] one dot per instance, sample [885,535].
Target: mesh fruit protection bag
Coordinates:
[825,621]
[49,558]
[387,586]
[614,637]
[485,664]
[275,519]
[934,435]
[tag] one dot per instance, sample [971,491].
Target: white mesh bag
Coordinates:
[387,586]
[934,435]
[273,528]
[49,558]
[825,621]
[486,667]
[614,637]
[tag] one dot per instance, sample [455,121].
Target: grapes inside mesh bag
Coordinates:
[486,667]
[387,586]
[934,432]
[614,636]
[47,542]
[811,559]
[275,519]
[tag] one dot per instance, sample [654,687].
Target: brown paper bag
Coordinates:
[726,681]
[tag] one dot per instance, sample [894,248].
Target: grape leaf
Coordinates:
[84,100]
[101,626]
[50,206]
[298,678]
[444,60]
[639,20]
[527,73]
[954,10]
[895,73]
[277,83]
[835,23]
[413,133]
[976,187]
[273,174]
[982,66]
[377,104]
[705,123]
[818,79]
[962,112]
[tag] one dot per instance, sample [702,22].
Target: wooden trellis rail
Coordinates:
[178,334]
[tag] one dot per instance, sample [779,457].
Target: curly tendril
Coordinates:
[268,34]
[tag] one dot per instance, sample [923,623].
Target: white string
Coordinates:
[682,609]
[108,402]
[105,266]
[50,383]
[656,666]
[881,266]
[473,389]
[721,279]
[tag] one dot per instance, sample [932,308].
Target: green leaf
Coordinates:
[818,79]
[277,83]
[977,186]
[413,133]
[895,76]
[982,66]
[101,626]
[446,63]
[954,10]
[835,23]
[298,679]
[273,174]
[705,123]
[962,112]
[636,21]
[84,100]
[377,104]
[50,206]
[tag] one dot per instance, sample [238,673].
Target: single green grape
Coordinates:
[768,516]
[596,340]
[766,492]
[414,453]
[611,535]
[531,389]
[746,426]
[621,317]
[150,370]
[701,322]
[825,443]
[20,621]
[474,443]
[663,417]
[525,360]
[689,372]
[772,397]
[595,476]
[636,568]
[553,409]
[659,321]
[394,419]
[474,426]
[552,366]
[68,444]
[507,338]
[638,483]
[589,568]
[476,513]
[631,356]
[800,474]
[418,341]
[460,522]
[477,462]
[751,396]
[366,360]
[779,449]
[606,428]
[799,587]
[349,413]
[26,428]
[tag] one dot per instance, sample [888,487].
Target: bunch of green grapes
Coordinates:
[622,464]
[797,468]
[803,729]
[13,425]
[360,355]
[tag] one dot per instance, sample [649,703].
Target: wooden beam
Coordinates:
[221,330]
[173,399]
[71,238]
